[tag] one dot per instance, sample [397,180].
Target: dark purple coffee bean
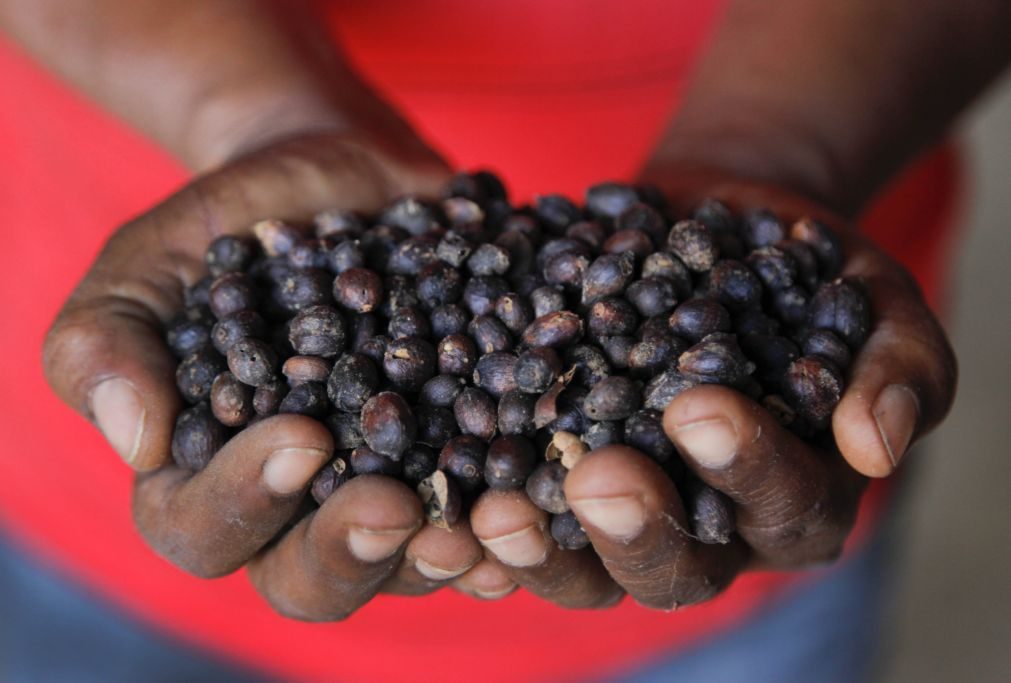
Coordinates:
[566,270]
[828,345]
[462,211]
[813,386]
[644,431]
[238,325]
[514,311]
[313,253]
[345,256]
[440,499]
[190,331]
[364,460]
[761,228]
[755,322]
[448,319]
[495,373]
[419,462]
[772,354]
[388,425]
[252,361]
[568,532]
[735,286]
[516,413]
[410,214]
[537,369]
[509,462]
[442,390]
[662,264]
[352,382]
[711,513]
[826,244]
[569,414]
[521,251]
[791,305]
[600,434]
[196,374]
[267,397]
[307,398]
[489,259]
[346,429]
[694,245]
[644,218]
[715,216]
[556,212]
[362,327]
[463,459]
[199,293]
[276,237]
[557,330]
[652,296]
[717,359]
[333,475]
[436,425]
[519,222]
[457,355]
[231,400]
[775,268]
[476,413]
[453,249]
[400,293]
[478,186]
[231,292]
[805,259]
[337,222]
[375,348]
[438,284]
[408,322]
[655,353]
[609,200]
[490,334]
[653,327]
[409,363]
[547,300]
[358,289]
[545,487]
[664,388]
[304,288]
[611,317]
[591,232]
[696,318]
[607,276]
[629,242]
[197,437]
[410,256]
[613,398]
[841,306]
[590,364]
[617,349]
[480,294]
[318,331]
[557,247]
[228,254]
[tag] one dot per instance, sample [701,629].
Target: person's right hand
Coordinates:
[105,356]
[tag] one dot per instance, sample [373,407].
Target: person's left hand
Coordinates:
[795,503]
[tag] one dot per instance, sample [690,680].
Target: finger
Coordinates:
[434,557]
[902,382]
[635,519]
[515,532]
[211,522]
[105,356]
[335,560]
[794,506]
[487,580]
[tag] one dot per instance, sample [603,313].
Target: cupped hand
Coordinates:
[105,356]
[795,503]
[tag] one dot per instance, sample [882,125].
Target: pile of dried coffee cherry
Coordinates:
[468,343]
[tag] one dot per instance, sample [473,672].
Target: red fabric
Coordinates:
[554,96]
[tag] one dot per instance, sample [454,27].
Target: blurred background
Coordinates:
[952,620]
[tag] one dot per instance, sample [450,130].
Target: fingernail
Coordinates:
[523,548]
[621,517]
[290,469]
[120,415]
[373,545]
[712,443]
[430,571]
[896,411]
[495,594]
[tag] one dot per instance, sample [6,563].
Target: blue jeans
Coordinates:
[54,630]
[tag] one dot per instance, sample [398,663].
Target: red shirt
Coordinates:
[553,95]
